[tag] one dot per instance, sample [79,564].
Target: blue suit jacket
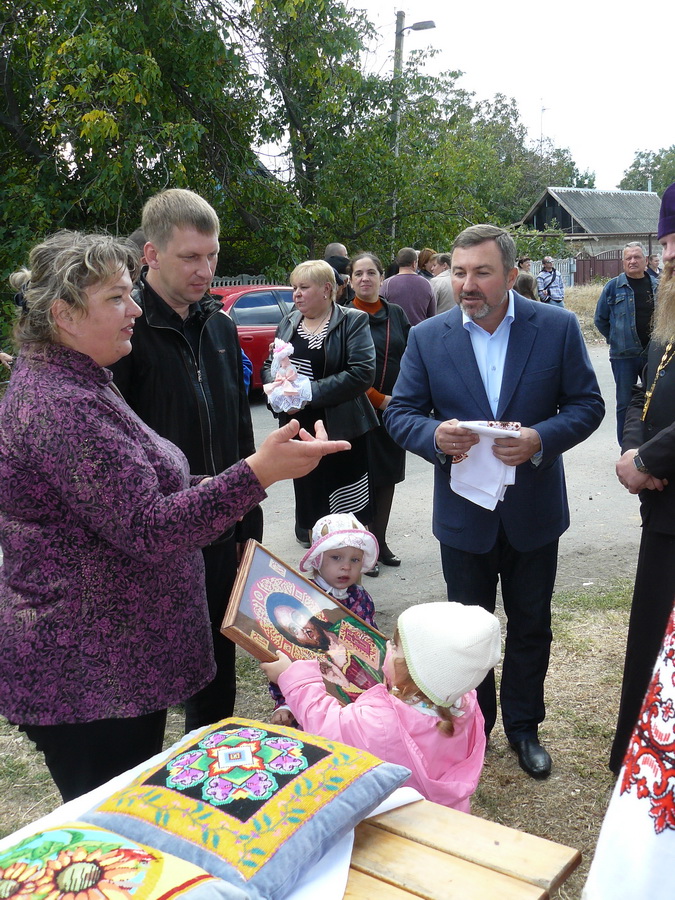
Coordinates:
[548,384]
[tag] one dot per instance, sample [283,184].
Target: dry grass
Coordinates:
[582,300]
[582,691]
[582,696]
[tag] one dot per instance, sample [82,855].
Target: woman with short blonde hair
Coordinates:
[332,346]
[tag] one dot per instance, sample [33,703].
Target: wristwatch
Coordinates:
[639,465]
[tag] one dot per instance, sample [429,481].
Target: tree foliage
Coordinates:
[658,165]
[103,104]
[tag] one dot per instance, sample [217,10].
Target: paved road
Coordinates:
[600,545]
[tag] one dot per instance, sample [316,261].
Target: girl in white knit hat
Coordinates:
[426,717]
[342,549]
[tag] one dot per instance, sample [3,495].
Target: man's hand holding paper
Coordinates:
[483,476]
[453,439]
[514,450]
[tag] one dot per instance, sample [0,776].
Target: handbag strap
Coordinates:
[386,355]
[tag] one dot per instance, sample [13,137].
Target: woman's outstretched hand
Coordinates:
[280,457]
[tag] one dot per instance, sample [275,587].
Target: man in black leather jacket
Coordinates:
[184,378]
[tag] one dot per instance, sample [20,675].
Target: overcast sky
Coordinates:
[598,69]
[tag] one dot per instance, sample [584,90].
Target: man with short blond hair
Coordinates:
[184,378]
[623,316]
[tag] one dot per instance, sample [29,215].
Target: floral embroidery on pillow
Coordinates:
[242,790]
[238,765]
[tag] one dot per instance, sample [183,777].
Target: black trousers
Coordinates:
[527,580]
[216,700]
[653,597]
[82,756]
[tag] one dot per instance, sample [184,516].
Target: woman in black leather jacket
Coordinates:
[333,347]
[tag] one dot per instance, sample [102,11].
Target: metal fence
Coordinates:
[229,280]
[566,267]
[608,264]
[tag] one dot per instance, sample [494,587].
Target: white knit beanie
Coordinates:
[336,531]
[449,648]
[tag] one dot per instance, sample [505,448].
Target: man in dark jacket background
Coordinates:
[184,378]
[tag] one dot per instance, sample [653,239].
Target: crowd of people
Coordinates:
[129,481]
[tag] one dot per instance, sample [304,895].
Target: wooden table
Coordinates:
[429,851]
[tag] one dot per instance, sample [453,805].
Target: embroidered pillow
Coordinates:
[80,860]
[254,804]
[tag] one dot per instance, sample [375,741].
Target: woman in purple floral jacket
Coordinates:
[103,617]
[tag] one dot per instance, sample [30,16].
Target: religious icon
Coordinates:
[272,607]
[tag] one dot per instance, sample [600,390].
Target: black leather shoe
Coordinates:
[373,572]
[302,537]
[388,558]
[532,758]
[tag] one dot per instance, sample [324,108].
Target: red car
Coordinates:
[256,310]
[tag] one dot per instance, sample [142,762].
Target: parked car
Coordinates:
[256,310]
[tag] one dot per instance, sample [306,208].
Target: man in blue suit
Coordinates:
[498,355]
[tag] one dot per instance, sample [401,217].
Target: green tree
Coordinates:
[658,165]
[105,104]
[310,63]
[537,245]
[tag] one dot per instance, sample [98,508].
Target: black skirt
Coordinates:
[339,484]
[386,460]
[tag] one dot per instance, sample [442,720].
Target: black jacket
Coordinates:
[389,328]
[197,401]
[339,397]
[655,440]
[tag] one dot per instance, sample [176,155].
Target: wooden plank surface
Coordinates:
[362,887]
[506,850]
[429,873]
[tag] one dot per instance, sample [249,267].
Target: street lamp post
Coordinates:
[396,99]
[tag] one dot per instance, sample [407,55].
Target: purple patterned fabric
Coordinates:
[102,603]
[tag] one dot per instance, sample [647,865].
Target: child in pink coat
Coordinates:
[341,550]
[426,717]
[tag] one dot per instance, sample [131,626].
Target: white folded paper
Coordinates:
[481,477]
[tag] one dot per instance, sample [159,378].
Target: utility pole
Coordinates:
[396,102]
[396,114]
